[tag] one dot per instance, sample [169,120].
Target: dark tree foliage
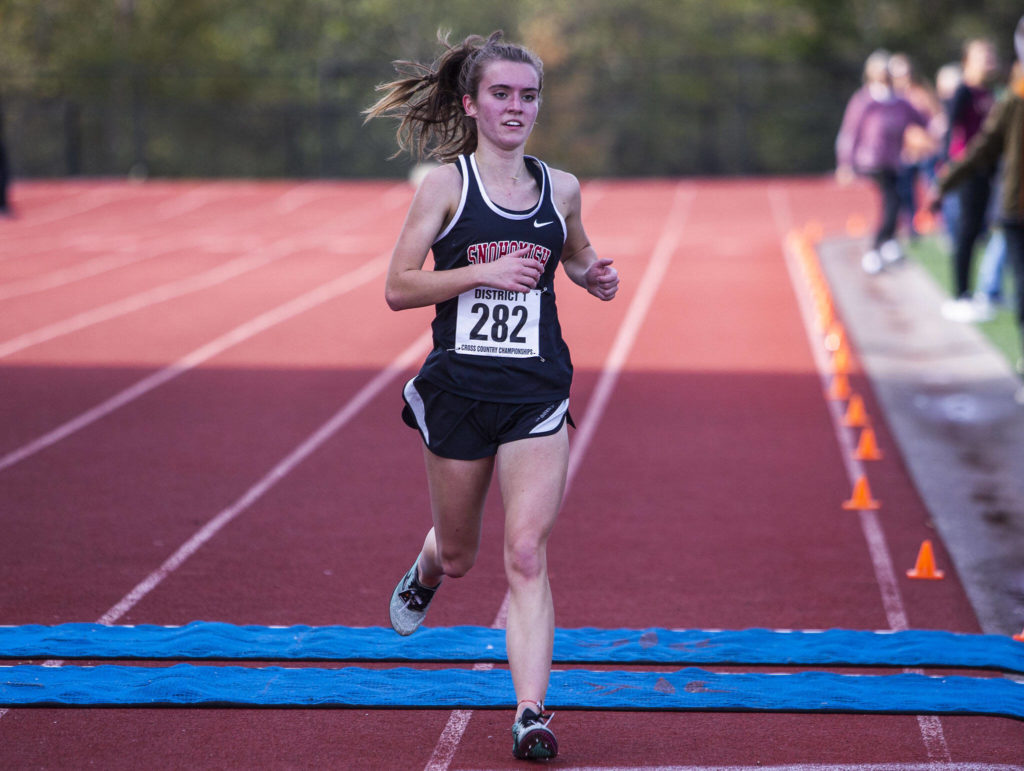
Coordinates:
[275,88]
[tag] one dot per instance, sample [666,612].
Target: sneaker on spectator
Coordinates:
[891,252]
[986,305]
[965,310]
[871,262]
[989,300]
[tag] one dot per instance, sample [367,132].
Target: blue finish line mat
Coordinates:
[683,690]
[193,685]
[752,647]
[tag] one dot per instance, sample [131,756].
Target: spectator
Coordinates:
[947,81]
[989,292]
[870,144]
[919,143]
[968,107]
[1001,137]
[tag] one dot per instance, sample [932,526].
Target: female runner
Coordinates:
[493,394]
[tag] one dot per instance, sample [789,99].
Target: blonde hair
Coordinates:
[427,99]
[876,67]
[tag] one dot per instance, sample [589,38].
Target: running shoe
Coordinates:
[409,602]
[531,737]
[871,262]
[891,252]
[966,311]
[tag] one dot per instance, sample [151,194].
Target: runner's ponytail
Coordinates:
[427,99]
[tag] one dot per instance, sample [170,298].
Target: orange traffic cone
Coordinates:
[839,390]
[841,361]
[861,499]
[856,415]
[925,567]
[867,447]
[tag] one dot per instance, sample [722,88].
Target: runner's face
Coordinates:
[506,103]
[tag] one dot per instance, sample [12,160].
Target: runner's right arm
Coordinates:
[410,286]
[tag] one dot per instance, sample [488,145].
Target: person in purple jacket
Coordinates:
[870,144]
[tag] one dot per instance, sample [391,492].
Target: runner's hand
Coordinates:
[601,279]
[513,272]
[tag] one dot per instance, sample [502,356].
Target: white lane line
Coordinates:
[366,394]
[404,360]
[932,734]
[134,251]
[132,255]
[286,465]
[261,323]
[163,293]
[79,203]
[78,272]
[140,300]
[175,289]
[651,281]
[183,203]
[881,559]
[94,197]
[668,243]
[305,193]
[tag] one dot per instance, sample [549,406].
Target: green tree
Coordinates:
[255,87]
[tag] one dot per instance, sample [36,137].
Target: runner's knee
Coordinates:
[457,562]
[524,559]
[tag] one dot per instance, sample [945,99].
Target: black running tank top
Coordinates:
[492,344]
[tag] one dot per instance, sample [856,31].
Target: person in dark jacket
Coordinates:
[970,104]
[1001,138]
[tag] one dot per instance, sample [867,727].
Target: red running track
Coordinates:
[170,351]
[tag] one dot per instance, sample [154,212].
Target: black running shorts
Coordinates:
[468,429]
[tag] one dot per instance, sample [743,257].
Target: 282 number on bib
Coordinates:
[498,315]
[497,323]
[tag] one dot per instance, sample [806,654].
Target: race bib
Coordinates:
[496,322]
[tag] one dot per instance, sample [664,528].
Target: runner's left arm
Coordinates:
[579,258]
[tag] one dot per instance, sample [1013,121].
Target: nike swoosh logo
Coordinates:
[542,224]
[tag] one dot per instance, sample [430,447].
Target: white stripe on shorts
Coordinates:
[553,420]
[415,402]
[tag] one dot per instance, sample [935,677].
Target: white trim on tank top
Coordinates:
[504,212]
[462,201]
